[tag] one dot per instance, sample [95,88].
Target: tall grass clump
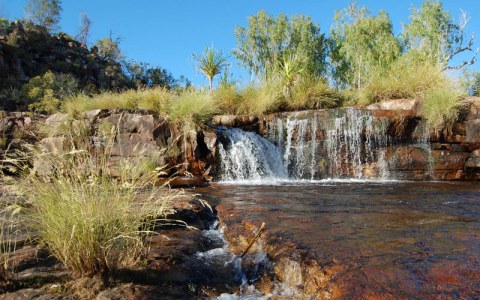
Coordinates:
[313,93]
[192,106]
[156,100]
[405,79]
[9,222]
[265,98]
[227,98]
[441,105]
[92,222]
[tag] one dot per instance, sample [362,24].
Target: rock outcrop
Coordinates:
[129,135]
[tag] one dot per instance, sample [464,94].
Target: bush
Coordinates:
[264,98]
[46,92]
[227,98]
[92,222]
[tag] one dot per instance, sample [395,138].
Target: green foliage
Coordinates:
[45,13]
[290,69]
[46,92]
[405,79]
[267,39]
[227,98]
[361,45]
[4,25]
[92,222]
[211,62]
[109,49]
[144,76]
[192,106]
[441,105]
[264,98]
[433,36]
[313,93]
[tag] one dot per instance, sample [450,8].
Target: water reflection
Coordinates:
[405,239]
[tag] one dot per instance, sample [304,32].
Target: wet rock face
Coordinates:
[387,140]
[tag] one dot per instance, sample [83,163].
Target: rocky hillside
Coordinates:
[27,51]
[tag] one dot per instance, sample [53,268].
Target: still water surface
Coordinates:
[398,239]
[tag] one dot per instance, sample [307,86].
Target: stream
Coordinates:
[398,239]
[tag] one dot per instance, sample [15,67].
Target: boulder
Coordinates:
[410,105]
[57,123]
[472,130]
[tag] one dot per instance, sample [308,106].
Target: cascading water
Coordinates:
[248,156]
[345,143]
[355,143]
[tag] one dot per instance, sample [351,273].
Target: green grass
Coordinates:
[441,106]
[192,105]
[148,99]
[404,80]
[92,222]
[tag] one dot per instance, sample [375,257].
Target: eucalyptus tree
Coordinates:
[266,39]
[434,37]
[44,13]
[211,63]
[360,45]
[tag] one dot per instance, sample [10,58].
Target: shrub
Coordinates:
[46,92]
[92,222]
[227,98]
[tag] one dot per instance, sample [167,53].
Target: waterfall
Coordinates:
[248,156]
[354,145]
[343,143]
[422,140]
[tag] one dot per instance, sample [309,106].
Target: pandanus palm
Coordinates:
[290,68]
[211,62]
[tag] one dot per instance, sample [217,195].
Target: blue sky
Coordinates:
[166,33]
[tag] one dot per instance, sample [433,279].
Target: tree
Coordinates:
[433,36]
[266,39]
[290,68]
[109,49]
[361,45]
[142,75]
[84,31]
[44,13]
[211,62]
